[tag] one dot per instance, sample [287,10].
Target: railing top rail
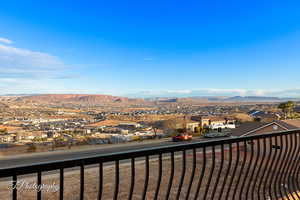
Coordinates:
[108,157]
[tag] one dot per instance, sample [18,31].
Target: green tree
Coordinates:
[199,131]
[287,108]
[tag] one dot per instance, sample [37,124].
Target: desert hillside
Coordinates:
[74,99]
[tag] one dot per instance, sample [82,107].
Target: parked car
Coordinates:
[182,137]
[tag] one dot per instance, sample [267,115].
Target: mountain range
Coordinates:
[97,99]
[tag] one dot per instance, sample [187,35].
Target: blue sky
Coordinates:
[150,48]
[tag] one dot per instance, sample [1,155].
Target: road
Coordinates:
[73,154]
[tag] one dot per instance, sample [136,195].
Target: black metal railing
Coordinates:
[265,166]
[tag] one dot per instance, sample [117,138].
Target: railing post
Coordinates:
[14,187]
[39,184]
[61,184]
[100,181]
[81,182]
[117,179]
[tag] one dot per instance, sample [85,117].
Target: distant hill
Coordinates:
[254,99]
[86,99]
[238,99]
[99,99]
[206,99]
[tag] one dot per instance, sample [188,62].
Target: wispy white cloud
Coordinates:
[26,70]
[5,40]
[148,59]
[23,63]
[219,92]
[22,58]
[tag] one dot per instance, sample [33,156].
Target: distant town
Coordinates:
[48,122]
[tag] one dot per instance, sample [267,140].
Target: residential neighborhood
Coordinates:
[72,127]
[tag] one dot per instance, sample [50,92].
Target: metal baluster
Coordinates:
[241,170]
[269,169]
[297,172]
[280,168]
[61,183]
[146,177]
[219,172]
[81,182]
[258,170]
[192,175]
[293,164]
[100,181]
[227,172]
[290,159]
[202,173]
[14,187]
[234,170]
[294,168]
[262,183]
[282,176]
[182,174]
[39,183]
[211,172]
[272,166]
[247,170]
[117,177]
[132,178]
[159,177]
[171,176]
[277,163]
